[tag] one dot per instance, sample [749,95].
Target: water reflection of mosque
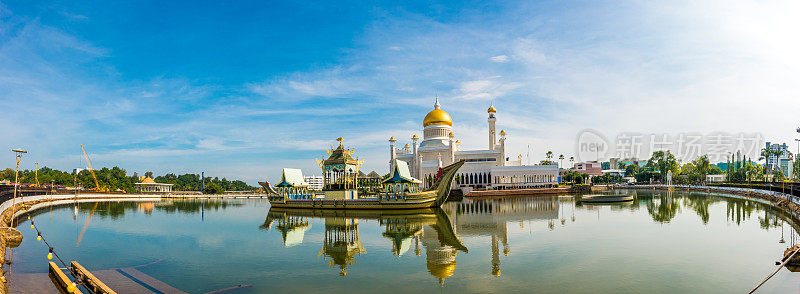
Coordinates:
[435,230]
[490,218]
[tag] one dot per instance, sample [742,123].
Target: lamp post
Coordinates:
[19,153]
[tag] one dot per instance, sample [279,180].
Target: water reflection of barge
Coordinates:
[434,231]
[342,243]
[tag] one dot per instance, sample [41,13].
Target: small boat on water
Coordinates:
[606,198]
[341,188]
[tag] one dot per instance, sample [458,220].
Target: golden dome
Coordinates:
[415,137]
[451,134]
[437,116]
[441,271]
[407,145]
[392,139]
[491,109]
[458,142]
[502,132]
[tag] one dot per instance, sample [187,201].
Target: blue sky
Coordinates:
[241,89]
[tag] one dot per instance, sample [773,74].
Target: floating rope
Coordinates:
[51,252]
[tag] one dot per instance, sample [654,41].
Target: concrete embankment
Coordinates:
[214,196]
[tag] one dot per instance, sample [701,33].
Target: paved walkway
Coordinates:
[122,280]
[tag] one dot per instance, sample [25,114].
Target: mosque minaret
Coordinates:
[484,169]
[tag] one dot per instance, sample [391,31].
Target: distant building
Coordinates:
[782,162]
[715,178]
[314,182]
[525,176]
[147,185]
[591,168]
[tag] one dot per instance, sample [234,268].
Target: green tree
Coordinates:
[777,175]
[701,167]
[663,162]
[631,170]
[213,188]
[714,170]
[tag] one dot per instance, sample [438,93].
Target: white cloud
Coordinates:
[499,58]
[485,89]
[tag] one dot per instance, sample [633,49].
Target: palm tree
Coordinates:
[549,155]
[561,159]
[766,153]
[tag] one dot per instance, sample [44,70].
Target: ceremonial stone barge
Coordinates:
[342,190]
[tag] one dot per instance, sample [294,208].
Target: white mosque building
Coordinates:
[484,169]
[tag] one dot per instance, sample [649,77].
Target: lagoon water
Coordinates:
[663,242]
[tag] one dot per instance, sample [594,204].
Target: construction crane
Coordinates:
[89,163]
[96,188]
